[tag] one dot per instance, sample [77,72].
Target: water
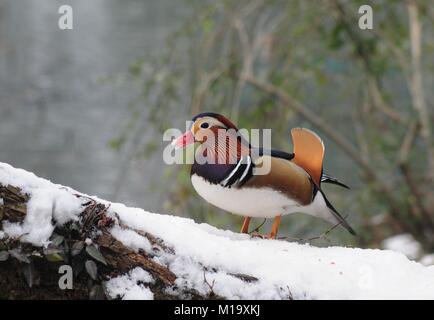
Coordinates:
[56,116]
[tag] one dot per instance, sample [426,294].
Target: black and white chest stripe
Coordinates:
[240,174]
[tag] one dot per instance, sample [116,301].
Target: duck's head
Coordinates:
[203,126]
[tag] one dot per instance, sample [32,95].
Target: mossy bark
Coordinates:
[30,272]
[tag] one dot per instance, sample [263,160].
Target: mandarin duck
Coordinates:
[225,177]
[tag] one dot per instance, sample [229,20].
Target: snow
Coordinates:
[283,268]
[47,202]
[43,206]
[427,260]
[404,243]
[131,239]
[208,260]
[131,286]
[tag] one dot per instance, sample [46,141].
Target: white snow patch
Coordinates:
[43,206]
[405,244]
[282,268]
[131,239]
[25,180]
[131,286]
[47,202]
[427,260]
[2,235]
[208,259]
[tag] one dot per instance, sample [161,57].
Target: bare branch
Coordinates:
[403,165]
[417,92]
[364,55]
[319,237]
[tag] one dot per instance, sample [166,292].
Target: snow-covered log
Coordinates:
[119,252]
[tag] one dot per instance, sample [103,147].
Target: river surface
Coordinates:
[56,115]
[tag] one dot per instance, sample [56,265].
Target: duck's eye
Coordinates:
[204,125]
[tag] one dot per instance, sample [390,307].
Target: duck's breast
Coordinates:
[245,201]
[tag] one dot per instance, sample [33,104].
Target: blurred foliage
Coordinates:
[358,81]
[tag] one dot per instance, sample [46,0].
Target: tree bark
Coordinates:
[31,272]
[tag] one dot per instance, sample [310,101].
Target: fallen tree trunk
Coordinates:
[28,271]
[35,269]
[113,251]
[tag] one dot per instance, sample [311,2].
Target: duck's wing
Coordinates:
[283,176]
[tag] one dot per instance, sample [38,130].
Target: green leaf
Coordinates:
[28,274]
[74,227]
[50,250]
[56,240]
[91,269]
[117,143]
[208,25]
[4,255]
[136,68]
[77,247]
[97,293]
[54,257]
[53,254]
[77,266]
[94,253]
[17,254]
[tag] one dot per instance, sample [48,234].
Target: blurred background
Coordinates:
[87,107]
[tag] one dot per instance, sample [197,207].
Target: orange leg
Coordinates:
[274,229]
[245,226]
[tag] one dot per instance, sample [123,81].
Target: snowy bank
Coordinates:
[202,261]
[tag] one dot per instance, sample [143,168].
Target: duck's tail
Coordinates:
[329,179]
[341,220]
[309,154]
